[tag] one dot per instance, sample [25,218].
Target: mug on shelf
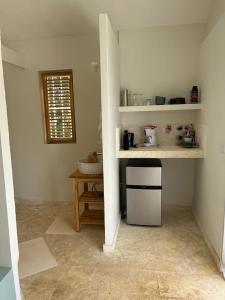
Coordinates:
[159,100]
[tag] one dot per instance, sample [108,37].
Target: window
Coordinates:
[59,116]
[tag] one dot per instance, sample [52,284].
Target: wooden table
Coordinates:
[89,216]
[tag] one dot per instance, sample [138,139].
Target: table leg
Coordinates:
[86,205]
[76,205]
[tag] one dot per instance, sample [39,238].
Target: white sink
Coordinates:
[90,168]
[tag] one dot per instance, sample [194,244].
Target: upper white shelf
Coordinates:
[167,107]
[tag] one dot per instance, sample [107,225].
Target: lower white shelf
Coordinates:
[161,152]
[166,107]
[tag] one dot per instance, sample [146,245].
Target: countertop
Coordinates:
[161,152]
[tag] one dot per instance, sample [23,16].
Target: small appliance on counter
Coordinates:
[150,136]
[128,140]
[188,137]
[144,191]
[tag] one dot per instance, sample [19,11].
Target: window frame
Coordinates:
[45,114]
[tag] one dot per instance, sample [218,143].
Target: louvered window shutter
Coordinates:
[57,89]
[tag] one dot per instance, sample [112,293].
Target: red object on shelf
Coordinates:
[194,94]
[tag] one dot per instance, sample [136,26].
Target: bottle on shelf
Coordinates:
[194,94]
[128,140]
[125,97]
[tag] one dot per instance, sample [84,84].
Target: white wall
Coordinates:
[163,61]
[41,170]
[9,254]
[12,57]
[217,11]
[110,95]
[210,184]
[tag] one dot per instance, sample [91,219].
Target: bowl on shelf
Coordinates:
[90,168]
[159,100]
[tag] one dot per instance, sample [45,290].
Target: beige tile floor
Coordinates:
[171,262]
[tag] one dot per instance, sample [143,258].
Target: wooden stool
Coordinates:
[89,216]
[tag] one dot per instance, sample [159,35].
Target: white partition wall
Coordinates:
[9,254]
[110,98]
[210,191]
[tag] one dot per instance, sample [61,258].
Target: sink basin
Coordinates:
[90,168]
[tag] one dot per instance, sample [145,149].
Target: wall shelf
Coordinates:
[167,107]
[161,152]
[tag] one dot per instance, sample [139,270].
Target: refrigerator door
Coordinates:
[144,176]
[144,207]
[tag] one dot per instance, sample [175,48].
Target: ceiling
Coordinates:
[25,19]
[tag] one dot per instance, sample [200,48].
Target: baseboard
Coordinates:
[177,203]
[111,248]
[209,245]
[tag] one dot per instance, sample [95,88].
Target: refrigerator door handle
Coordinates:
[144,187]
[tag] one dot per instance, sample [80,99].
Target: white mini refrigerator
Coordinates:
[144,192]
